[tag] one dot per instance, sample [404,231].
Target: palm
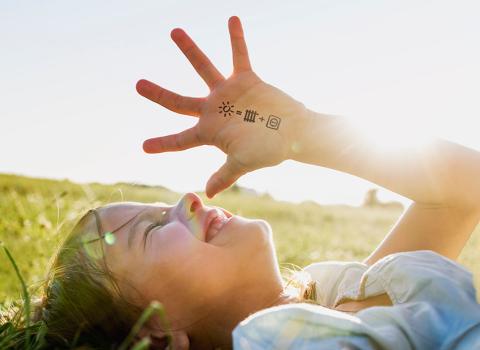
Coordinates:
[218,120]
[248,146]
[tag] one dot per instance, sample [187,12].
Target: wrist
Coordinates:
[318,140]
[303,135]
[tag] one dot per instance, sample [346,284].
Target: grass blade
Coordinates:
[25,295]
[142,344]
[154,307]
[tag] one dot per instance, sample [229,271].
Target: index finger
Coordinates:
[241,61]
[171,100]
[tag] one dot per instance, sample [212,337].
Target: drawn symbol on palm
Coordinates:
[226,109]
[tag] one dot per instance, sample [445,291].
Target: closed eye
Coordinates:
[148,230]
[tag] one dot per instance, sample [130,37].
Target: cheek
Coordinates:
[175,261]
[171,246]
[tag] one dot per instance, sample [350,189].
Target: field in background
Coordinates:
[36,213]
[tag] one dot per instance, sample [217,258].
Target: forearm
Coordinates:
[440,173]
[442,229]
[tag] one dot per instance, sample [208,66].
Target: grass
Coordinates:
[37,213]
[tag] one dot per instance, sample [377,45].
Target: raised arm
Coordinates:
[441,177]
[258,125]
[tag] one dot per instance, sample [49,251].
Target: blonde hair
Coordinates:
[299,284]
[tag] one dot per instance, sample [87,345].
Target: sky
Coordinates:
[69,109]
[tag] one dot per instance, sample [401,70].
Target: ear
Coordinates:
[159,339]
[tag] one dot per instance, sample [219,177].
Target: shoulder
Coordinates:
[404,276]
[333,277]
[421,274]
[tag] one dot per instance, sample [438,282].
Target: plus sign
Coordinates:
[262,118]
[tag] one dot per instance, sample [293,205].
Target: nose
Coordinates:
[191,203]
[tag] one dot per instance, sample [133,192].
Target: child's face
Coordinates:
[193,258]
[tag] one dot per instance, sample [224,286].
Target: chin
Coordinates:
[242,234]
[266,229]
[261,232]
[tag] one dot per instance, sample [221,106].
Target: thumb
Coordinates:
[224,177]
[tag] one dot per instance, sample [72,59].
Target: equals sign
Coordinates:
[239,112]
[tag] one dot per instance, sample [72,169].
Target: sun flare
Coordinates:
[392,137]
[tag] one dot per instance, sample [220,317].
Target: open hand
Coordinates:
[253,122]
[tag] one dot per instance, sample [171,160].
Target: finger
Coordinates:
[241,61]
[224,177]
[197,58]
[170,100]
[175,142]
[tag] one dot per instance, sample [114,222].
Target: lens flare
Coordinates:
[296,147]
[109,238]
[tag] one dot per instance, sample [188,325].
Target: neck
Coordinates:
[217,331]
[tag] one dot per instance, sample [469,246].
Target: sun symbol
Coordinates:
[226,109]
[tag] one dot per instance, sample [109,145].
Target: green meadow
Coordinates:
[35,214]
